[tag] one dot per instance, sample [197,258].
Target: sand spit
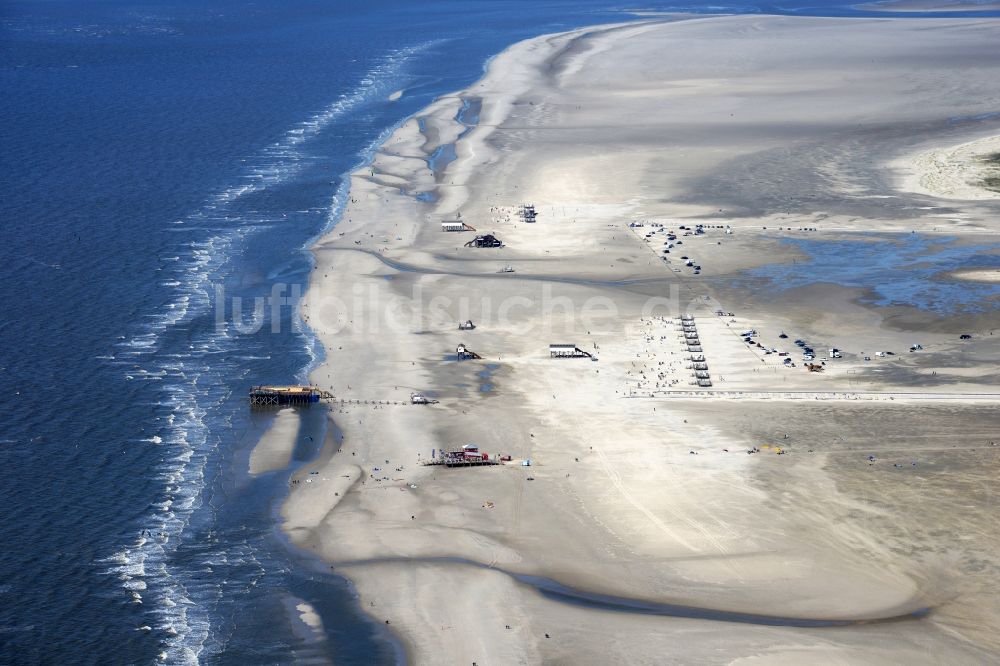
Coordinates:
[969,170]
[275,448]
[642,489]
[991,275]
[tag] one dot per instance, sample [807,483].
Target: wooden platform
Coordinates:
[286,395]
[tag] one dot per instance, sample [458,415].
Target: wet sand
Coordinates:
[859,492]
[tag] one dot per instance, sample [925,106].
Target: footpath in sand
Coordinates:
[779,515]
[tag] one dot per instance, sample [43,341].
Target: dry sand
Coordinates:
[641,487]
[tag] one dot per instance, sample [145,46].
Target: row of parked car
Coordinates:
[809,354]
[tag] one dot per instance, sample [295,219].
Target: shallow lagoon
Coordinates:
[913,270]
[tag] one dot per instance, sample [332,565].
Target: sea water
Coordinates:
[159,159]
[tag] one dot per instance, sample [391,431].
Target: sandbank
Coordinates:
[275,448]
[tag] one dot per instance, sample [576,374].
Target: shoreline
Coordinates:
[377,503]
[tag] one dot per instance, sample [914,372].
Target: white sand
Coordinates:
[745,121]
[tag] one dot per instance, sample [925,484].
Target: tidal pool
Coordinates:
[912,270]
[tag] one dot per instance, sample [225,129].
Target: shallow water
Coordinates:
[910,270]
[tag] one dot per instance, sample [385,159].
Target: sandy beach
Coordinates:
[777,515]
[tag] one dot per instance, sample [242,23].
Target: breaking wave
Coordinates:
[194,365]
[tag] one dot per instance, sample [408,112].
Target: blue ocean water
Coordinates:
[156,154]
